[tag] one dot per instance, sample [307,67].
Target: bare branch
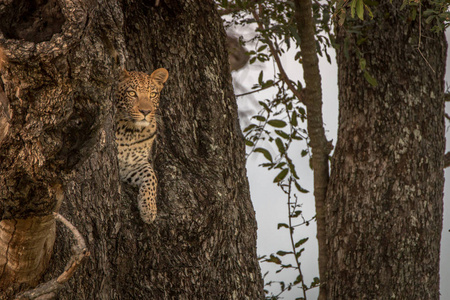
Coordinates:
[50,289]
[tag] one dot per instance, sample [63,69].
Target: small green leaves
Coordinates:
[280,146]
[283,253]
[249,127]
[300,189]
[277,123]
[316,282]
[301,242]
[281,175]
[265,152]
[373,82]
[273,259]
[282,225]
[259,118]
[353,8]
[262,48]
[360,9]
[362,63]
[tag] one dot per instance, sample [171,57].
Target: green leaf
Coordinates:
[316,282]
[292,169]
[370,79]
[298,280]
[266,153]
[267,165]
[282,225]
[262,48]
[362,63]
[267,84]
[304,153]
[294,118]
[342,17]
[277,123]
[259,118]
[283,253]
[369,11]
[360,9]
[352,8]
[283,134]
[302,111]
[273,259]
[301,242]
[281,175]
[260,78]
[280,145]
[299,253]
[266,107]
[413,13]
[300,189]
[249,127]
[280,165]
[249,143]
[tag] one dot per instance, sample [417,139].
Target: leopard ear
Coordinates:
[160,75]
[124,75]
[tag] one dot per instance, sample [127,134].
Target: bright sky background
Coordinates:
[270,203]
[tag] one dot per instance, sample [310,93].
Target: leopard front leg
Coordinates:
[147,198]
[144,177]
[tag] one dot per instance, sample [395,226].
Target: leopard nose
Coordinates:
[145,111]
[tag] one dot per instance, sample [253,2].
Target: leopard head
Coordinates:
[138,94]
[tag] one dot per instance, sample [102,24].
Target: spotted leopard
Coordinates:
[137,100]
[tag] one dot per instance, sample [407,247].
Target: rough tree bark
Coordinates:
[203,242]
[384,213]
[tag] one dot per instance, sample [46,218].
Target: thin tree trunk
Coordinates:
[319,144]
[203,242]
[384,213]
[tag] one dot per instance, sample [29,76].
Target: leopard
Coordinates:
[137,101]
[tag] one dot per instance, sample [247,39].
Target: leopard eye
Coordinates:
[131,93]
[153,94]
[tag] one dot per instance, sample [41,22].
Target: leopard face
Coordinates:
[137,96]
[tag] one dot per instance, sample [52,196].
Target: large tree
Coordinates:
[57,152]
[384,201]
[379,214]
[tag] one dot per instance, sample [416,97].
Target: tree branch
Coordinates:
[258,90]
[319,145]
[49,289]
[283,76]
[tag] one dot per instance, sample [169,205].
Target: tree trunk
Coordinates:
[203,242]
[384,213]
[316,132]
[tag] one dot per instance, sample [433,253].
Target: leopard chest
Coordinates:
[134,144]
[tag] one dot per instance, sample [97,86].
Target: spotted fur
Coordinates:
[137,100]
